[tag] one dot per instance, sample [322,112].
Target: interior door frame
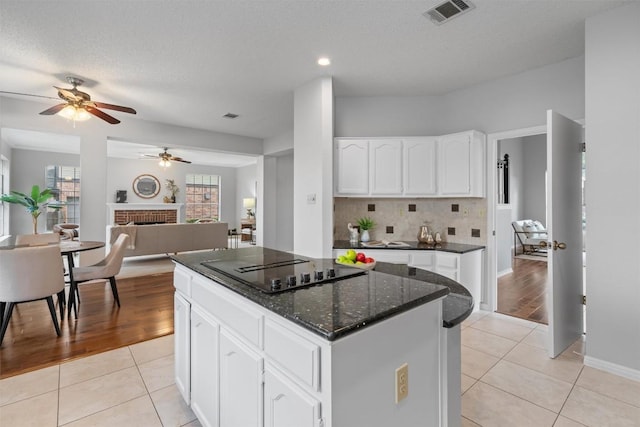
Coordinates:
[490,290]
[490,293]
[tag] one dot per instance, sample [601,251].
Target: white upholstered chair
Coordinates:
[106,269]
[37,239]
[29,274]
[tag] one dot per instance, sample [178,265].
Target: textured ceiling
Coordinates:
[190,62]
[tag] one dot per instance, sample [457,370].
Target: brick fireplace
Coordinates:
[144,213]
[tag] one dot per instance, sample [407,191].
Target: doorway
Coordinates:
[521,198]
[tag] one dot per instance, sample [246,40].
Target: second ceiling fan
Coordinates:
[166,158]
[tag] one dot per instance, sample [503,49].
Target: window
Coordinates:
[202,197]
[64,182]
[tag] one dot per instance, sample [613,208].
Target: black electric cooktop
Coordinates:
[273,271]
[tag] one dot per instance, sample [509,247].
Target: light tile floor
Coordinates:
[507,380]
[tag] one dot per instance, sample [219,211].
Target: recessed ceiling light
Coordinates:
[324,62]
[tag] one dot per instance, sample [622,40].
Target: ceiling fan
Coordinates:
[166,158]
[78,105]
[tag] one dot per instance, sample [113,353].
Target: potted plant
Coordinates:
[365,224]
[173,189]
[36,202]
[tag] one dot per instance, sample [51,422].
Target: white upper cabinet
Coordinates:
[352,166]
[446,166]
[419,166]
[461,159]
[385,167]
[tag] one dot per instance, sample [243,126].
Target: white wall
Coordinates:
[512,102]
[534,177]
[284,202]
[245,179]
[313,169]
[32,172]
[613,189]
[122,172]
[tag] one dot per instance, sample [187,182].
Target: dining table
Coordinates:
[67,249]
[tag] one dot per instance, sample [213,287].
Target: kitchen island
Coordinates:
[325,355]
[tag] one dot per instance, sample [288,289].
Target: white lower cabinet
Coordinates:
[204,360]
[287,405]
[465,268]
[240,383]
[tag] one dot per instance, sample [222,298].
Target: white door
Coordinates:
[286,405]
[204,362]
[564,226]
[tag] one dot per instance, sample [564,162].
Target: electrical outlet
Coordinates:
[402,382]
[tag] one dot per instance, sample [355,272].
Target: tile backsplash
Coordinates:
[466,217]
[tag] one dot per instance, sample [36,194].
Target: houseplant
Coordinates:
[36,202]
[365,224]
[173,189]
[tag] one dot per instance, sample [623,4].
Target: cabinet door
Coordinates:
[419,167]
[204,365]
[286,405]
[385,166]
[240,383]
[448,265]
[352,166]
[455,164]
[181,317]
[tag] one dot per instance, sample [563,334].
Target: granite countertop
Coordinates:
[331,310]
[456,306]
[458,248]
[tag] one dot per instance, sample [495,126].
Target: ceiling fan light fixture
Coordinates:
[165,163]
[74,113]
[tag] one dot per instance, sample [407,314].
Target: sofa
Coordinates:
[529,233]
[156,239]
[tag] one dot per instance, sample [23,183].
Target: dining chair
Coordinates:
[37,239]
[106,269]
[29,274]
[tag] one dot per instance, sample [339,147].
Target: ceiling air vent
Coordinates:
[448,10]
[230,116]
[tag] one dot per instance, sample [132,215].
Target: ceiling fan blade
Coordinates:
[67,94]
[180,159]
[150,155]
[53,110]
[102,115]
[28,94]
[115,107]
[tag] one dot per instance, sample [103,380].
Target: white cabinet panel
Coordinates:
[240,384]
[182,345]
[293,353]
[455,162]
[419,166]
[385,167]
[204,361]
[352,166]
[287,405]
[423,259]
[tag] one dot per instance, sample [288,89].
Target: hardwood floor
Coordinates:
[146,312]
[523,292]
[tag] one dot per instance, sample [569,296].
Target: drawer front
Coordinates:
[292,353]
[241,319]
[182,281]
[447,260]
[424,260]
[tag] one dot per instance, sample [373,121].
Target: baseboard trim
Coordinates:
[613,368]
[504,272]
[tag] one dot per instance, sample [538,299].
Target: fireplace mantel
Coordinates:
[113,207]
